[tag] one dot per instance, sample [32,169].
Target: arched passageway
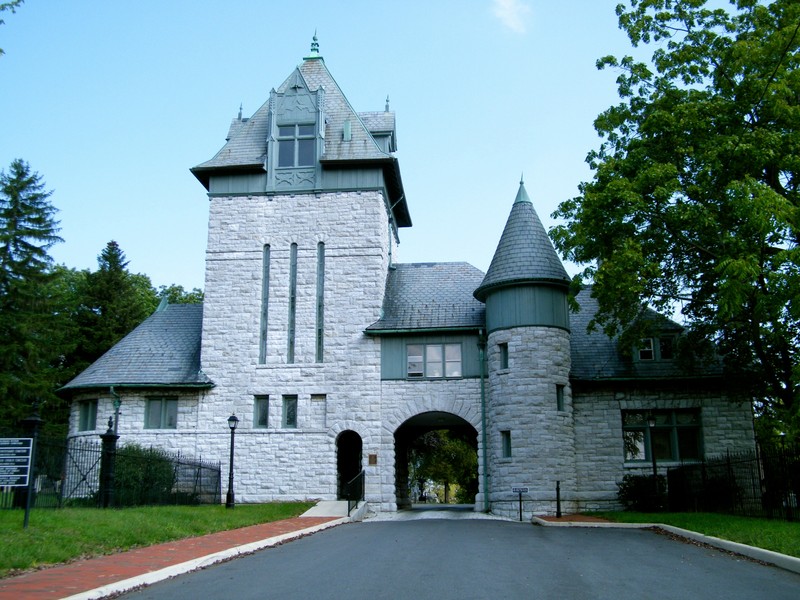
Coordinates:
[435,452]
[348,459]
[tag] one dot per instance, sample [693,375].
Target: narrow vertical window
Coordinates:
[320,301]
[505,440]
[261,412]
[452,360]
[262,344]
[292,302]
[559,397]
[414,362]
[503,355]
[290,412]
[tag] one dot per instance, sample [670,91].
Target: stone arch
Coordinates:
[409,430]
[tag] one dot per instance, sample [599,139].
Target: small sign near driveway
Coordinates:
[15,461]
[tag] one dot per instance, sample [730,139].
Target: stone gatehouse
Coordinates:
[334,356]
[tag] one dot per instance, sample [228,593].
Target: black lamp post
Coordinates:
[233,421]
[651,423]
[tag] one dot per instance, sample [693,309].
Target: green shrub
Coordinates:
[639,493]
[142,476]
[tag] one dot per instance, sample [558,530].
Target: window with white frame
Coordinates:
[646,351]
[289,420]
[674,435]
[656,348]
[261,412]
[161,413]
[87,415]
[433,360]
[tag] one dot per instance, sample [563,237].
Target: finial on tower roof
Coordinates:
[387,102]
[522,178]
[314,48]
[240,111]
[522,194]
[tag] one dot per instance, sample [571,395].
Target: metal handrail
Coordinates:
[354,491]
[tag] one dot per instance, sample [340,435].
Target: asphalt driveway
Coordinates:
[462,559]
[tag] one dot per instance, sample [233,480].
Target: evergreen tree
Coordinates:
[27,353]
[114,302]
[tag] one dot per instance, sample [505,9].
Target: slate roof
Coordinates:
[426,296]
[524,253]
[245,149]
[595,356]
[378,122]
[163,351]
[246,146]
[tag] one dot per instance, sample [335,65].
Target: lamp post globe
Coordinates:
[233,421]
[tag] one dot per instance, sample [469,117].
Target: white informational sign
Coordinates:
[15,461]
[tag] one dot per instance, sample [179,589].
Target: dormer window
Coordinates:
[296,145]
[660,348]
[666,347]
[646,349]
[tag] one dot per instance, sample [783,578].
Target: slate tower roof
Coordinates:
[524,253]
[350,139]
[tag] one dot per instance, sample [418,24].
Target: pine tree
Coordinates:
[28,229]
[114,302]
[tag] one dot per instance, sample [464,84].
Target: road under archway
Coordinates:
[406,448]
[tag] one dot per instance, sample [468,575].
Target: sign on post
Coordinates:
[15,461]
[519,490]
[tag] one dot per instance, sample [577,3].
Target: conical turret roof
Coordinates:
[524,254]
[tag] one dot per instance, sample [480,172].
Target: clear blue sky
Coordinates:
[113,103]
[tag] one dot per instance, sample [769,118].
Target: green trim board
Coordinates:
[530,305]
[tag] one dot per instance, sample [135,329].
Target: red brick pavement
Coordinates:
[84,575]
[575,519]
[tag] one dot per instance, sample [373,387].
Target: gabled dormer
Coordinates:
[296,133]
[307,138]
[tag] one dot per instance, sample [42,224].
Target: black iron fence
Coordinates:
[68,473]
[765,483]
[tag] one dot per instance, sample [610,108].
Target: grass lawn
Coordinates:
[59,535]
[778,536]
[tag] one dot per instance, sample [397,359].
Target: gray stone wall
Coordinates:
[281,463]
[522,401]
[295,463]
[727,424]
[401,400]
